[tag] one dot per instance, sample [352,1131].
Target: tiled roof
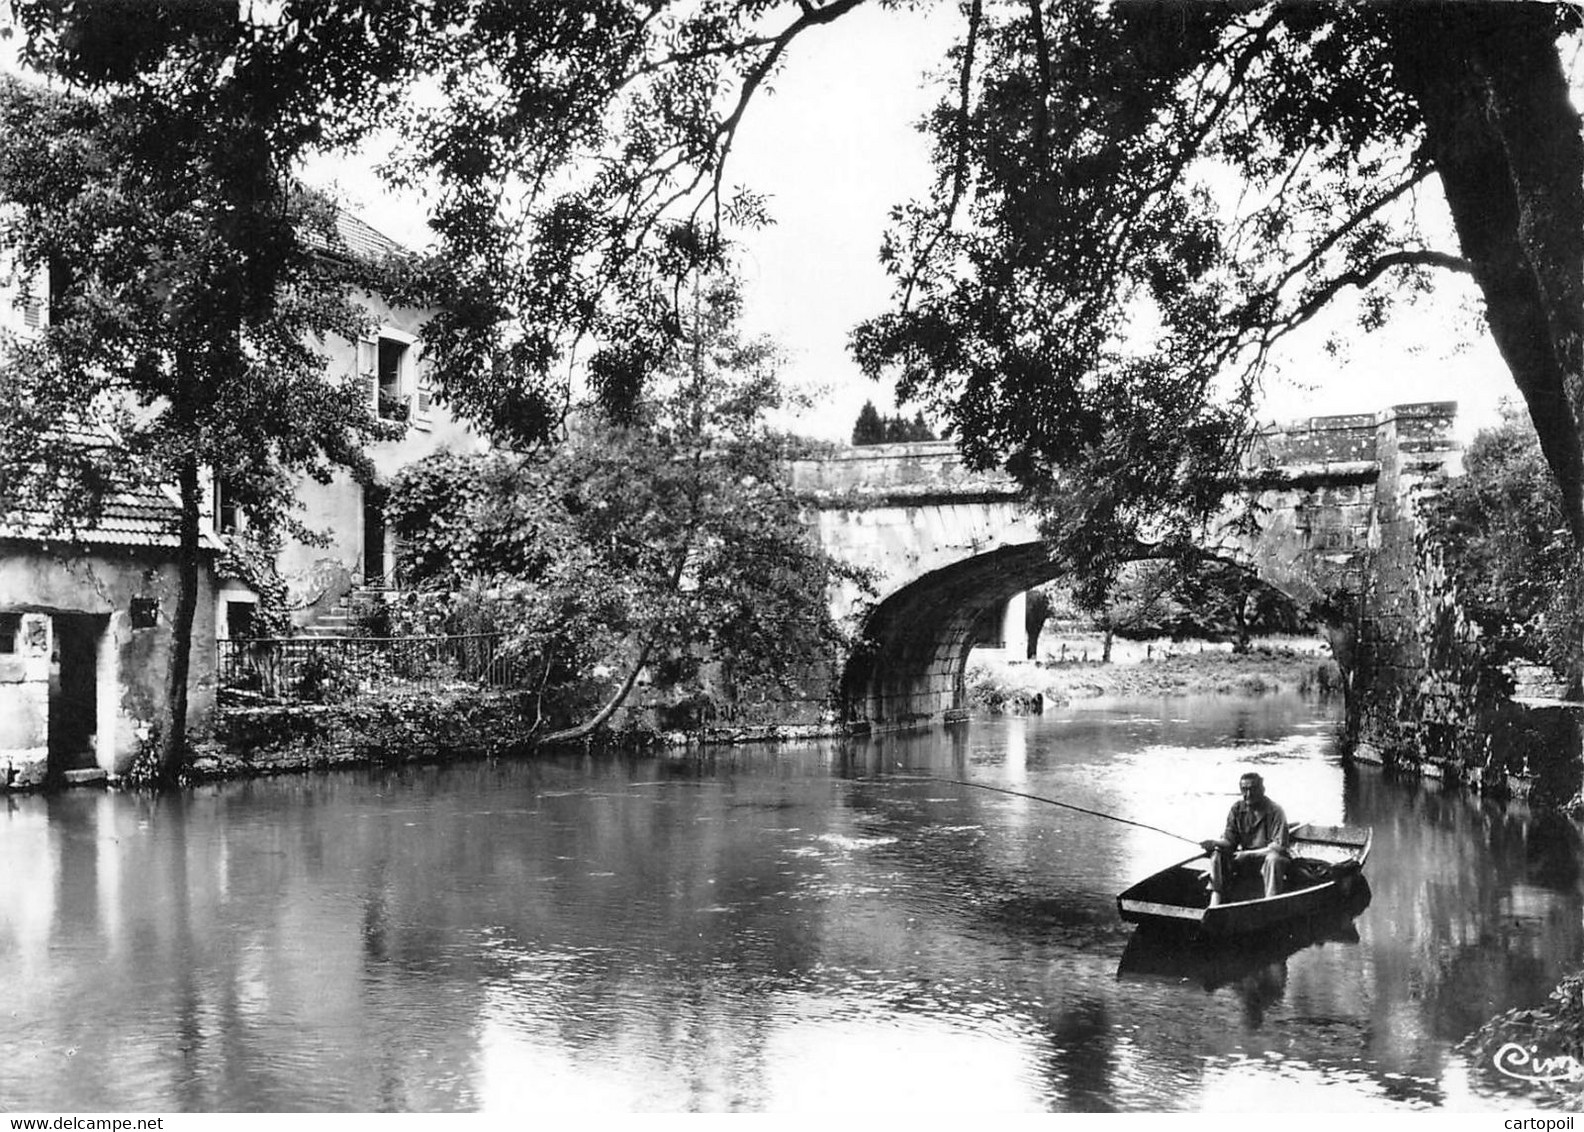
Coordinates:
[132,514]
[355,239]
[362,240]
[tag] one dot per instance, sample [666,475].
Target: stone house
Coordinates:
[86,616]
[86,635]
[361,554]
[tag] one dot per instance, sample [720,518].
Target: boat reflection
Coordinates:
[1253,966]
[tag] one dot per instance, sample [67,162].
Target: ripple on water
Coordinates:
[623,948]
[854,844]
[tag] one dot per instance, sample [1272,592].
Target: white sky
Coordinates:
[834,145]
[837,148]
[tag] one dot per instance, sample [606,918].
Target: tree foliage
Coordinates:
[868,428]
[577,161]
[669,540]
[187,307]
[872,428]
[1135,202]
[1203,598]
[1200,177]
[1500,533]
[573,155]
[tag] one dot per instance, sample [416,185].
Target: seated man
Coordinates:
[1256,837]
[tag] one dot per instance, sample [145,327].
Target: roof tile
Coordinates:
[131,514]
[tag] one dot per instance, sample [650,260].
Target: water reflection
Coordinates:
[810,928]
[1254,968]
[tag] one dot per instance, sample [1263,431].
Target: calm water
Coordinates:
[814,927]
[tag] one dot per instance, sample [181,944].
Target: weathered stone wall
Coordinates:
[1428,699]
[887,473]
[419,726]
[1317,504]
[1320,440]
[1390,658]
[24,690]
[131,663]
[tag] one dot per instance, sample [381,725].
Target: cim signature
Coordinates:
[1523,1063]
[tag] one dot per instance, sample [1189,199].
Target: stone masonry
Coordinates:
[948,548]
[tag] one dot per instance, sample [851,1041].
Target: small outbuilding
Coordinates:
[86,620]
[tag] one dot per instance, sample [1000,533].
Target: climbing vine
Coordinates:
[250,558]
[1495,574]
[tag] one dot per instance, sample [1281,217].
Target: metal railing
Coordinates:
[321,669]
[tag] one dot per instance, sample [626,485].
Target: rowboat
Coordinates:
[1215,962]
[1327,865]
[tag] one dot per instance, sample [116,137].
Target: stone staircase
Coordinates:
[340,618]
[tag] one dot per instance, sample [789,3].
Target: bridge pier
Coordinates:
[1014,626]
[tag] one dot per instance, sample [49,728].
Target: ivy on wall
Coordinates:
[250,558]
[1494,593]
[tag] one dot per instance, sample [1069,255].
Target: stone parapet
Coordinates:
[918,471]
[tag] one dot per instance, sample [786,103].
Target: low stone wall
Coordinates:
[407,728]
[428,727]
[1524,751]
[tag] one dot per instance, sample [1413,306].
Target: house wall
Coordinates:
[319,575]
[132,663]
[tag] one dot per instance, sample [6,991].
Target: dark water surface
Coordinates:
[813,927]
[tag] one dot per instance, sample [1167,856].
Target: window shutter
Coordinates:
[423,404]
[423,396]
[368,371]
[34,301]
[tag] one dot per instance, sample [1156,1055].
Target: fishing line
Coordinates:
[1054,802]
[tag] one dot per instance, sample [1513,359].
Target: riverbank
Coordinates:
[996,685]
[1540,1048]
[421,726]
[461,722]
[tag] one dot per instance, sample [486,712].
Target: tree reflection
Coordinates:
[693,932]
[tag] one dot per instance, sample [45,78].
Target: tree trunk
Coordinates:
[1505,139]
[588,727]
[1105,649]
[1241,617]
[173,758]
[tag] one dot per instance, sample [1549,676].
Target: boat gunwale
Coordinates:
[1280,905]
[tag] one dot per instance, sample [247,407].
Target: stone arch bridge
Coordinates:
[950,546]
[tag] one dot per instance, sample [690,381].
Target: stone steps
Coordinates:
[339,620]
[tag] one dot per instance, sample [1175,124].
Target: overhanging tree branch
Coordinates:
[1361,277]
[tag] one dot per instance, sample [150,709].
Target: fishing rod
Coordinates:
[1063,805]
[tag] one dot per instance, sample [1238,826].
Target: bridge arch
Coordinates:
[947,545]
[913,651]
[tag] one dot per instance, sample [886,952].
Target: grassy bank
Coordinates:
[996,685]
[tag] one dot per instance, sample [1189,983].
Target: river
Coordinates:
[810,927]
